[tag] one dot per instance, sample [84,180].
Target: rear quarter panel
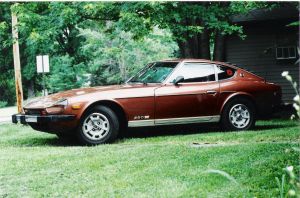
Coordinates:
[251,86]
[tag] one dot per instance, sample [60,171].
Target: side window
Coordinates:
[225,72]
[196,72]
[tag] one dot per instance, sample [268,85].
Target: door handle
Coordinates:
[212,92]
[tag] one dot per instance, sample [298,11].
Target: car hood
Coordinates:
[46,101]
[82,91]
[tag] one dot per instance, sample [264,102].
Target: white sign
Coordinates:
[42,64]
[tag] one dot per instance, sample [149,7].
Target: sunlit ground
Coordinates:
[5,114]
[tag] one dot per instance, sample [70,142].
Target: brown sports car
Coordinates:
[163,93]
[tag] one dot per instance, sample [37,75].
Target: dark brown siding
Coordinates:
[257,53]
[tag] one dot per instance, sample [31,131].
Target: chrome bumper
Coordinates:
[24,119]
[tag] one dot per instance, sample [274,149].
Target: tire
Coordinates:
[98,126]
[238,114]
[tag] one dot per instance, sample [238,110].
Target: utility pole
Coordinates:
[17,66]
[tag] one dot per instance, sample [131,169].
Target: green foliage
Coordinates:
[3,104]
[192,24]
[290,188]
[7,91]
[295,23]
[108,41]
[185,19]
[115,57]
[65,74]
[53,29]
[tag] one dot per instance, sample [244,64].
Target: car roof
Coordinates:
[207,61]
[198,60]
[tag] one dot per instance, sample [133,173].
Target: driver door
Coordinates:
[193,100]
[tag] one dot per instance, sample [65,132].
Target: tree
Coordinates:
[194,25]
[7,85]
[116,56]
[53,29]
[127,36]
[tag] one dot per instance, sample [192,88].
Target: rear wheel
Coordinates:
[99,125]
[238,114]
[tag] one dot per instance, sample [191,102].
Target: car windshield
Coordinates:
[154,73]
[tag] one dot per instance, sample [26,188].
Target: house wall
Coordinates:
[257,53]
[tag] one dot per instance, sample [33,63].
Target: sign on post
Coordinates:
[42,64]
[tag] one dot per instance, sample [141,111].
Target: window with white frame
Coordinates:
[285,53]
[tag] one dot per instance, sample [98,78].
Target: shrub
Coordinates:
[3,104]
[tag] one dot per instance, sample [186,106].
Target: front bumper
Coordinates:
[24,119]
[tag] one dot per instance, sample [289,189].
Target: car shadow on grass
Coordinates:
[49,141]
[189,129]
[143,132]
[147,132]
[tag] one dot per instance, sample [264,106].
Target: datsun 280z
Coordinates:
[166,92]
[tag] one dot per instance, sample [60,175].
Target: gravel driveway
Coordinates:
[5,114]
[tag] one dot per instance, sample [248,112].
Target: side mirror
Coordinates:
[178,80]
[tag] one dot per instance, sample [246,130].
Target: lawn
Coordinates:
[148,162]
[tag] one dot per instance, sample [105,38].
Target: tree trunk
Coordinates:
[196,46]
[189,46]
[122,68]
[30,90]
[204,45]
[185,49]
[219,50]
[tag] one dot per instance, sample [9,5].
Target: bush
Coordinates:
[3,104]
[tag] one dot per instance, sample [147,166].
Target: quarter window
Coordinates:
[225,72]
[196,72]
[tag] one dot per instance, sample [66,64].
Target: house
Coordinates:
[270,46]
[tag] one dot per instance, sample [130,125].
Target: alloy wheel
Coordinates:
[239,116]
[96,126]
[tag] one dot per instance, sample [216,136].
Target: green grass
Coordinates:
[156,163]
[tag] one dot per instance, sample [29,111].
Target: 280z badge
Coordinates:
[142,117]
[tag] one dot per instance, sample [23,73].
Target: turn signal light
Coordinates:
[76,106]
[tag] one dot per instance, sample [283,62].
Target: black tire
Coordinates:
[229,124]
[109,135]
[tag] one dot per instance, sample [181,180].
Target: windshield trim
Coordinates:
[151,65]
[140,71]
[179,64]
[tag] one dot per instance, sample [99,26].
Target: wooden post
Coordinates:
[17,66]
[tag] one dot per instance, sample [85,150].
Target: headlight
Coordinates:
[62,102]
[57,107]
[55,110]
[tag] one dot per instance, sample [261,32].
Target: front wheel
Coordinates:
[238,114]
[99,125]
